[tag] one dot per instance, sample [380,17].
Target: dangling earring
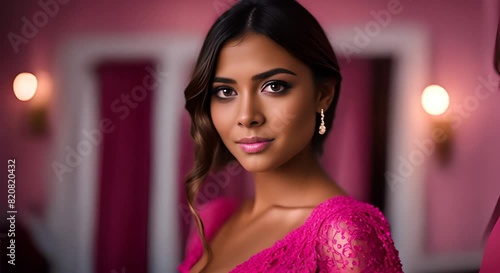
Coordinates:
[322,128]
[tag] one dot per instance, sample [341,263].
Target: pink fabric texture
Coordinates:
[342,234]
[491,256]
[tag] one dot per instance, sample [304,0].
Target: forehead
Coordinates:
[252,54]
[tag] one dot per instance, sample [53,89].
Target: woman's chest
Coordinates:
[249,241]
[273,250]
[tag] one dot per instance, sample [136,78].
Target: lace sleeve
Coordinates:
[356,240]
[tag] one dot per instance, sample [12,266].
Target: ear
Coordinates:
[325,95]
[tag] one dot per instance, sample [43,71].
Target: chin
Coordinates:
[254,166]
[258,164]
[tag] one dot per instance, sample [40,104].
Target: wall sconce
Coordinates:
[35,91]
[25,85]
[435,101]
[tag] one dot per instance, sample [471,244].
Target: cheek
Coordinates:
[302,127]
[306,109]
[295,119]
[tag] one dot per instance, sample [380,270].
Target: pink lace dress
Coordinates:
[340,235]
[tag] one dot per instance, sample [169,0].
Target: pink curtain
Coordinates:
[124,178]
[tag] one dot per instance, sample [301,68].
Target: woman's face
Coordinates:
[263,103]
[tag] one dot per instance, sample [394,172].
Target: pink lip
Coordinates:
[254,144]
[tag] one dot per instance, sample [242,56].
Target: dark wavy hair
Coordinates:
[288,24]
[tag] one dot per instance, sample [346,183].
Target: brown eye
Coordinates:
[276,87]
[223,92]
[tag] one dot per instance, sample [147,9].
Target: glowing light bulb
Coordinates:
[25,85]
[435,100]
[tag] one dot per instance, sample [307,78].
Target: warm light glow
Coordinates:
[435,100]
[44,89]
[25,85]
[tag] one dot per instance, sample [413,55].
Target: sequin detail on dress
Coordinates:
[341,235]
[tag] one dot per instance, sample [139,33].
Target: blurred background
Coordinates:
[101,142]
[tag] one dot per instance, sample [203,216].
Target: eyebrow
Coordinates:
[257,77]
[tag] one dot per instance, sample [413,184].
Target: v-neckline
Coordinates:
[276,243]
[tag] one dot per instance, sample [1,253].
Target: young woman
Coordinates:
[264,92]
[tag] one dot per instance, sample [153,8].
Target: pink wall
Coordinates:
[347,156]
[462,195]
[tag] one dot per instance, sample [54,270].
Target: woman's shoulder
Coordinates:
[354,234]
[341,208]
[213,214]
[217,204]
[349,216]
[216,211]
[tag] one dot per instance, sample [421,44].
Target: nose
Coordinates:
[250,114]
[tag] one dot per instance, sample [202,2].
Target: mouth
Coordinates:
[253,145]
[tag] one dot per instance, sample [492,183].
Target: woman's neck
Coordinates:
[300,182]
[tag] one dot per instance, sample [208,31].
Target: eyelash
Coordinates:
[286,86]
